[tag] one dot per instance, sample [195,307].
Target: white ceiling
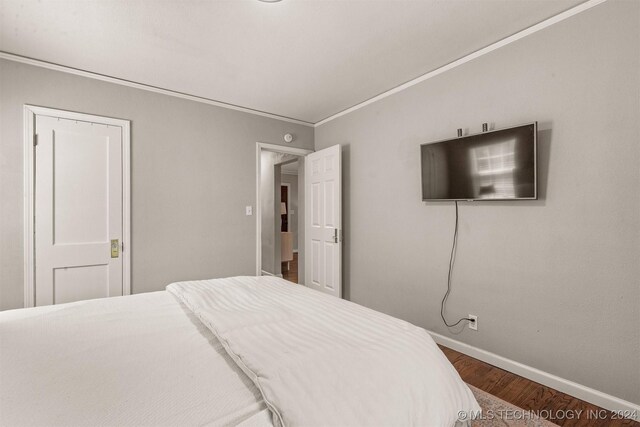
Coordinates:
[303,59]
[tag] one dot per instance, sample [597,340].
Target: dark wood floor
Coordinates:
[530,395]
[292,273]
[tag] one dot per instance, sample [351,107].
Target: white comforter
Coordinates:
[140,360]
[322,361]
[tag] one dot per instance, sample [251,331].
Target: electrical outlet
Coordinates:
[248,210]
[473,325]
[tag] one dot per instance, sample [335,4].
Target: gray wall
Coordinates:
[268,160]
[188,219]
[555,282]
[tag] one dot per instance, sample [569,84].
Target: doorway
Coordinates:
[319,214]
[77,209]
[280,219]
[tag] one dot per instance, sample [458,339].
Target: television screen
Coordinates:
[496,165]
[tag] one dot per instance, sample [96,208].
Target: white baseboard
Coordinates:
[266,273]
[587,394]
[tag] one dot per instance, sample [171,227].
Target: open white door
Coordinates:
[323,221]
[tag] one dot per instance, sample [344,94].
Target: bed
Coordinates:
[250,351]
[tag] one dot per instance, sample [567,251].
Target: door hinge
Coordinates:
[35,140]
[337,235]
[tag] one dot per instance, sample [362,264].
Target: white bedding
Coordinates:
[147,360]
[320,360]
[124,361]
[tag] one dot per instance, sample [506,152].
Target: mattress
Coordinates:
[136,360]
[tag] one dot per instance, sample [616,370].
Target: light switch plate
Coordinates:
[292,211]
[249,210]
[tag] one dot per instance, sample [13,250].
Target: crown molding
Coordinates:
[142,86]
[470,57]
[481,52]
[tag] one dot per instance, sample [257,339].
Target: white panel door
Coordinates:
[323,221]
[78,210]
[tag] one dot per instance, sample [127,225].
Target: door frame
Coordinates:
[278,149]
[29,118]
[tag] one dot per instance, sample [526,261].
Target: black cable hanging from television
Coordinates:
[451,259]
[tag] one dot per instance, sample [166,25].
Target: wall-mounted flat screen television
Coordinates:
[496,165]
